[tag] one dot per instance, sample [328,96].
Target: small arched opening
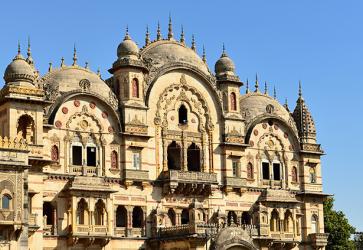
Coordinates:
[193,158]
[25,128]
[174,156]
[114,159]
[137,217]
[135,88]
[233,101]
[185,216]
[246,218]
[274,222]
[232,218]
[172,216]
[100,212]
[121,216]
[82,212]
[183,114]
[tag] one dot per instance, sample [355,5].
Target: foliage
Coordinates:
[338,227]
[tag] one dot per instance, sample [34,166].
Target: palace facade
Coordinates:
[164,154]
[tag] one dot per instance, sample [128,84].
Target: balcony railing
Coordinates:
[120,232]
[83,170]
[193,177]
[90,230]
[319,239]
[135,175]
[32,220]
[282,235]
[235,181]
[7,216]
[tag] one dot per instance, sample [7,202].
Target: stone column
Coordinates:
[129,220]
[165,155]
[55,224]
[144,221]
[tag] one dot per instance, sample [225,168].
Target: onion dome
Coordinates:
[19,70]
[127,47]
[224,65]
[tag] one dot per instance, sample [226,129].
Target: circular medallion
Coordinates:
[92,105]
[264,125]
[84,124]
[193,120]
[255,132]
[77,103]
[104,114]
[64,110]
[110,129]
[172,118]
[58,124]
[252,143]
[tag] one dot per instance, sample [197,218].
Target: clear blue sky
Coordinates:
[317,42]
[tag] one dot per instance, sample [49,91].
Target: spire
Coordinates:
[74,55]
[224,53]
[50,67]
[170,28]
[193,43]
[247,87]
[127,36]
[147,36]
[265,88]
[158,33]
[286,105]
[29,59]
[182,40]
[300,91]
[86,65]
[18,55]
[99,72]
[275,96]
[62,62]
[256,85]
[204,58]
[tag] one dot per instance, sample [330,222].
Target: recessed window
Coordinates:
[77,155]
[265,170]
[314,224]
[91,156]
[136,160]
[5,201]
[235,168]
[233,101]
[183,115]
[312,174]
[135,88]
[277,171]
[249,171]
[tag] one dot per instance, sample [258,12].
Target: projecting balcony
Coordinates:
[7,217]
[319,240]
[234,184]
[132,176]
[176,181]
[95,230]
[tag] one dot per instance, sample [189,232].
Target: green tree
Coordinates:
[338,227]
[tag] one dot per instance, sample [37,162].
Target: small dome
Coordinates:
[127,48]
[19,70]
[224,65]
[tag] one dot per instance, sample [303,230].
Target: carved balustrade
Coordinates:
[90,230]
[319,240]
[120,231]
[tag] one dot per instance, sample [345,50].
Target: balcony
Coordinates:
[282,236]
[95,230]
[176,181]
[120,232]
[135,176]
[83,170]
[7,217]
[319,240]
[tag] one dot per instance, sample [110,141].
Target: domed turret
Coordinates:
[224,65]
[19,70]
[127,47]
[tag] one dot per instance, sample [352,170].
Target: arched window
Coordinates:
[231,218]
[121,216]
[314,224]
[183,115]
[233,101]
[135,88]
[276,171]
[249,171]
[172,216]
[288,222]
[100,213]
[54,153]
[48,213]
[274,222]
[265,170]
[312,174]
[25,128]
[185,216]
[137,217]
[82,212]
[246,218]
[193,158]
[174,156]
[114,159]
[77,152]
[91,151]
[294,174]
[6,201]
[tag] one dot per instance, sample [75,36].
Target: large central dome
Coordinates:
[167,51]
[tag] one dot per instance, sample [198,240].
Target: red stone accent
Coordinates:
[286,135]
[92,105]
[252,143]
[104,114]
[77,103]
[58,124]
[255,132]
[65,110]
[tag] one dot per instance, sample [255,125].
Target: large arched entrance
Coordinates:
[237,248]
[234,238]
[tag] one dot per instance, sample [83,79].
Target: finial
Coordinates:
[50,67]
[127,36]
[74,55]
[170,28]
[275,96]
[62,61]
[147,36]
[158,33]
[286,105]
[204,58]
[182,40]
[193,43]
[256,84]
[265,88]
[224,53]
[19,49]
[300,91]
[99,72]
[247,87]
[86,65]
